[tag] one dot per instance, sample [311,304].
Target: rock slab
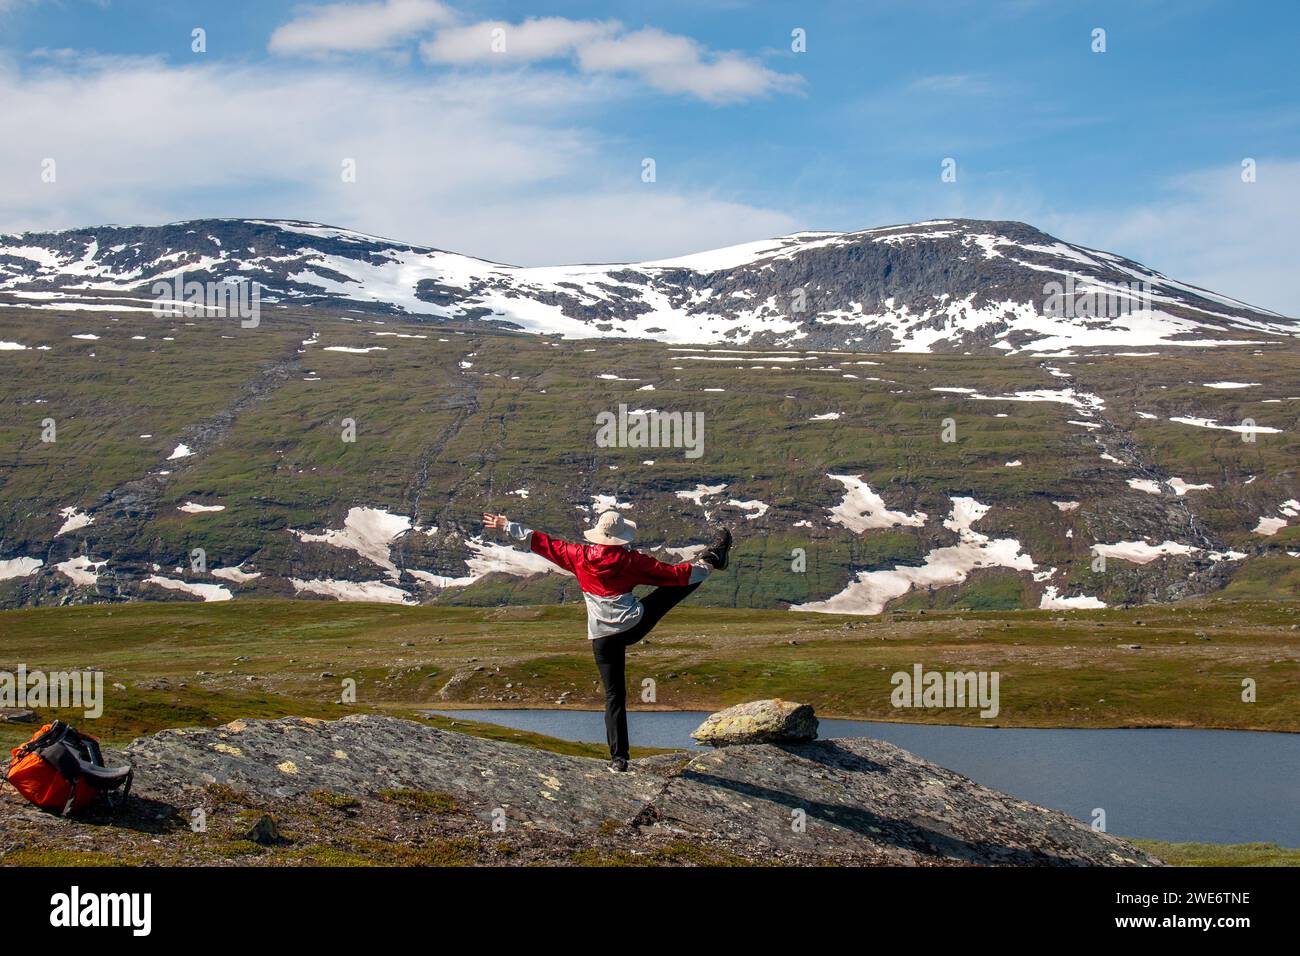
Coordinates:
[832,801]
[759,722]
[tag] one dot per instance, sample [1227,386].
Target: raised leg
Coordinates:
[656,604]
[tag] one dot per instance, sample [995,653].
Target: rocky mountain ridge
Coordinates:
[951,285]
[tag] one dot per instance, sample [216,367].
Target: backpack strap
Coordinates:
[91,746]
[72,797]
[56,732]
[117,799]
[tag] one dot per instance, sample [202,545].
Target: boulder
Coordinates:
[759,722]
[264,832]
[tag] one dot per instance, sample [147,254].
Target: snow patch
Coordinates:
[1145,484]
[758,508]
[1051,602]
[209,592]
[236,574]
[73,520]
[1181,487]
[871,591]
[700,492]
[862,509]
[1141,552]
[1241,429]
[376,591]
[18,567]
[367,531]
[81,570]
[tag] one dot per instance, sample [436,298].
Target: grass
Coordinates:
[179,664]
[1222,854]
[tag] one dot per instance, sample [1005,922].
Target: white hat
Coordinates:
[611,528]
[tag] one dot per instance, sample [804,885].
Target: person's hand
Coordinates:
[494,522]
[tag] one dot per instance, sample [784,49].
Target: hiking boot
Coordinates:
[716,555]
[618,765]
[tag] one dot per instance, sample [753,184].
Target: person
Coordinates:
[607,570]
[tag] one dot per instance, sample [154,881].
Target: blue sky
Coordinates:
[534,153]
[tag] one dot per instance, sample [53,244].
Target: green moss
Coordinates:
[234,849]
[461,851]
[677,853]
[430,801]
[319,855]
[335,801]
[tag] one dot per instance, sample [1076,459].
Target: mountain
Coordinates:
[940,286]
[342,449]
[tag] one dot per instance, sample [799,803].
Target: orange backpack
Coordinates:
[62,769]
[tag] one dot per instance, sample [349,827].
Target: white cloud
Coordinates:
[356,27]
[493,165]
[542,38]
[665,61]
[678,64]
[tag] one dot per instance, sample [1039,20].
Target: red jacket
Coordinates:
[607,570]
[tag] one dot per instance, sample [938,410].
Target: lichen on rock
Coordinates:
[759,722]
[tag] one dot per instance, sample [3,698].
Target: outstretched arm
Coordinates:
[558,552]
[517,531]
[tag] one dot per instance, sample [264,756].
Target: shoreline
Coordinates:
[450,708]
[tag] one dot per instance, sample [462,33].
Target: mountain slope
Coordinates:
[336,455]
[940,286]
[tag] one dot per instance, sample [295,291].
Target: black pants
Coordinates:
[611,654]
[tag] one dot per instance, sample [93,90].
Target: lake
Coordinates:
[1208,786]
